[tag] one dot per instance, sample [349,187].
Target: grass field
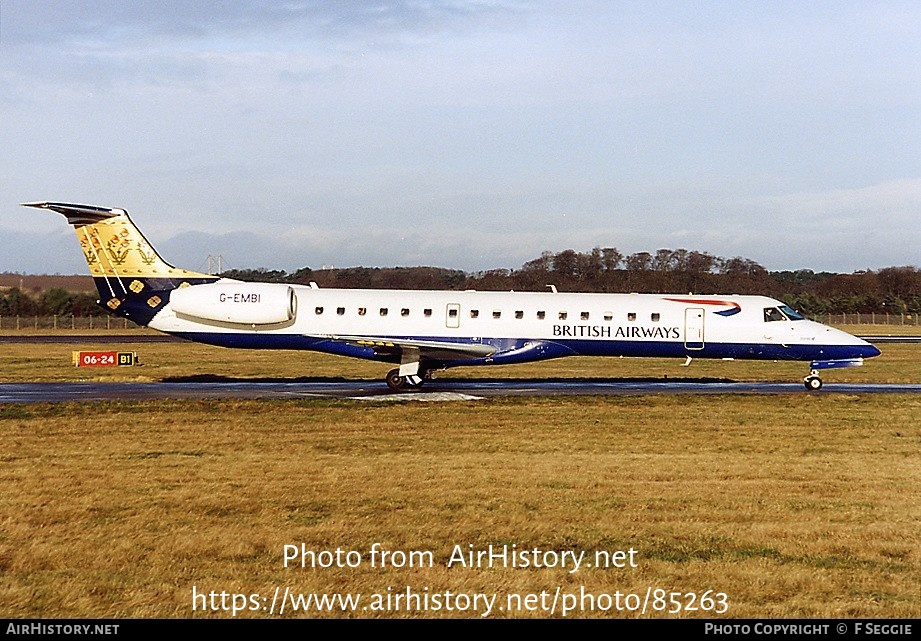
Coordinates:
[803,506]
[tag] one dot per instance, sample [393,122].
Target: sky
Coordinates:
[470,135]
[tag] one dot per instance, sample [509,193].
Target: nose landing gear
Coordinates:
[813,382]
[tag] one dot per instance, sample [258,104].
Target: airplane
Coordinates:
[424,332]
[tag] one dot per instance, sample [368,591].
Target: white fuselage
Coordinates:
[229,312]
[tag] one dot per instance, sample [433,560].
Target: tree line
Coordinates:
[892,290]
[52,302]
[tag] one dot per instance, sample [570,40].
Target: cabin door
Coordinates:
[452,315]
[694,328]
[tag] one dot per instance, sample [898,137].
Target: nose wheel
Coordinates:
[813,382]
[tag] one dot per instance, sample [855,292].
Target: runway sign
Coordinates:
[104,359]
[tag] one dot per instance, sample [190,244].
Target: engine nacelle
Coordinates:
[236,303]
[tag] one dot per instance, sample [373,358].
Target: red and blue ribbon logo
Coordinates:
[734,308]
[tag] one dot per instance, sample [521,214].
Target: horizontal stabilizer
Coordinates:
[78,215]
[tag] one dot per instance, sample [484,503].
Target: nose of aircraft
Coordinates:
[868,350]
[863,348]
[851,346]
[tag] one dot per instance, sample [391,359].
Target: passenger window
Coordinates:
[319,310]
[362,311]
[452,313]
[383,311]
[608,316]
[541,315]
[474,313]
[584,316]
[404,312]
[340,310]
[563,315]
[428,312]
[655,317]
[519,314]
[496,313]
[631,316]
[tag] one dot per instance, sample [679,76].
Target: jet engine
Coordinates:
[236,303]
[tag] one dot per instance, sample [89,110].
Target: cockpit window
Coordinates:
[791,313]
[773,314]
[781,313]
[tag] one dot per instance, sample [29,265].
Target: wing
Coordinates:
[409,349]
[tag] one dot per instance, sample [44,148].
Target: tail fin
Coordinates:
[132,279]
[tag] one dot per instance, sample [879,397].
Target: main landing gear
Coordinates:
[406,383]
[813,382]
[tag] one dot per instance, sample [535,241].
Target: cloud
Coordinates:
[480,133]
[105,23]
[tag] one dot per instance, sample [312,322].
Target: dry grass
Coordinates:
[802,506]
[881,330]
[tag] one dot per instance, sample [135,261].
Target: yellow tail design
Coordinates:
[112,244]
[132,279]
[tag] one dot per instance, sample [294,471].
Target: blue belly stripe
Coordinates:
[519,350]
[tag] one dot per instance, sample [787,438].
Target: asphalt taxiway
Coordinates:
[435,391]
